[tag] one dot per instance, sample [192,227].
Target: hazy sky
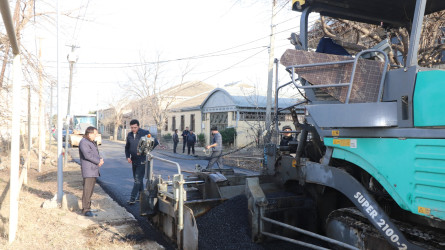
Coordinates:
[223,41]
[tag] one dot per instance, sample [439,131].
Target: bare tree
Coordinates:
[115,114]
[148,87]
[356,36]
[255,119]
[25,14]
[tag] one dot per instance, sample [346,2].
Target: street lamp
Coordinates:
[72,58]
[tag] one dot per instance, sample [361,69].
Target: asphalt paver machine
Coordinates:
[368,168]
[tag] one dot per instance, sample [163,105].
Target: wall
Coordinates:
[187,120]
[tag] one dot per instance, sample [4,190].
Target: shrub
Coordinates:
[167,137]
[201,140]
[228,136]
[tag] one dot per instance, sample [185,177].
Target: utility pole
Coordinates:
[50,117]
[59,118]
[41,113]
[15,116]
[270,68]
[28,162]
[72,58]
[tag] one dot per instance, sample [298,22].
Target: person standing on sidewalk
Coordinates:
[136,160]
[184,138]
[191,140]
[216,146]
[175,140]
[90,162]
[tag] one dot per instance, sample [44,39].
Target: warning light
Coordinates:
[148,136]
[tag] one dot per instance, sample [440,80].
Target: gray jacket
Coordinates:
[217,138]
[89,158]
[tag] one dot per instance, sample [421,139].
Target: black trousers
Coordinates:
[192,146]
[175,144]
[215,158]
[138,175]
[183,145]
[88,188]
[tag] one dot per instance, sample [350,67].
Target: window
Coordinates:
[192,122]
[252,116]
[260,116]
[173,123]
[182,122]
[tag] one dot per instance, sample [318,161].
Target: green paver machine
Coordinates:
[372,156]
[368,168]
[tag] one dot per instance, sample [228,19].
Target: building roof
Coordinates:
[233,97]
[244,98]
[188,89]
[192,103]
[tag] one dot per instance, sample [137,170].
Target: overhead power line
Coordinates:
[233,65]
[284,5]
[78,17]
[201,56]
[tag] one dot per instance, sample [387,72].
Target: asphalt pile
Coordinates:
[226,227]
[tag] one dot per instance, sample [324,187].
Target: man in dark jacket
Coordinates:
[175,140]
[136,159]
[184,138]
[287,137]
[90,162]
[191,140]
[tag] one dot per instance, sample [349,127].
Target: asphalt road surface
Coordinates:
[117,178]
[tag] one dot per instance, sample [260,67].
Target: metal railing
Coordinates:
[178,188]
[302,231]
[337,85]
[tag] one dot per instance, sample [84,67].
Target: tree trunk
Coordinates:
[116,127]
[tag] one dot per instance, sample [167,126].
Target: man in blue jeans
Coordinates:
[136,159]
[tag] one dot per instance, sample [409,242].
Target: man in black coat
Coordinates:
[191,140]
[136,159]
[175,140]
[184,138]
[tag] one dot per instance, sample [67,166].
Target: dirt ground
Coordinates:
[43,225]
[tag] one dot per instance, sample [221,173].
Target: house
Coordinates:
[160,104]
[151,111]
[186,114]
[239,107]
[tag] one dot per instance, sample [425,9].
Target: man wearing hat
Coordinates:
[216,149]
[287,137]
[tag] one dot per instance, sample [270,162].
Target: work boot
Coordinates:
[89,214]
[198,168]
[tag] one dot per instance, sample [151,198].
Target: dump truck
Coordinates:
[80,124]
[368,168]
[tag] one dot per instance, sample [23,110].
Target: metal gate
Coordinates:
[220,120]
